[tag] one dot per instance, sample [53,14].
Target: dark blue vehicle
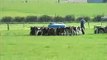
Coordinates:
[56,25]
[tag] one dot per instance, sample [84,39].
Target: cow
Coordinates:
[70,30]
[32,31]
[45,31]
[79,31]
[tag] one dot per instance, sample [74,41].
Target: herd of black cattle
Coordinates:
[45,31]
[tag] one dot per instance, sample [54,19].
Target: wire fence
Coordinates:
[26,26]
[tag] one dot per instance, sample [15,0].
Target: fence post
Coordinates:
[8,28]
[23,24]
[101,23]
[88,25]
[58,1]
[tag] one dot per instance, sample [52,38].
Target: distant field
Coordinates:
[50,7]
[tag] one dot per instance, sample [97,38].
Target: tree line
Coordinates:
[46,18]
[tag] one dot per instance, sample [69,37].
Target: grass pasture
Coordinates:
[88,47]
[16,44]
[50,7]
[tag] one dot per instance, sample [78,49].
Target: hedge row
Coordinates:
[46,18]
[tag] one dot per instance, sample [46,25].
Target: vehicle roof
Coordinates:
[56,25]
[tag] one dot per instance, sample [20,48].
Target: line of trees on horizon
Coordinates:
[46,18]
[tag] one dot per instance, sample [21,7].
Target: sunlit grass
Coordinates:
[18,8]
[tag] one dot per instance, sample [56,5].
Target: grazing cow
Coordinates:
[60,31]
[32,31]
[56,31]
[67,30]
[51,31]
[39,31]
[74,30]
[79,31]
[45,31]
[70,30]
[36,30]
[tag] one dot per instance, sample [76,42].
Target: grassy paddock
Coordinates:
[16,44]
[23,47]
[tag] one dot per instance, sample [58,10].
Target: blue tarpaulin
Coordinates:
[56,25]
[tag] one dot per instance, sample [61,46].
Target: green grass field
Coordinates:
[87,47]
[50,7]
[17,44]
